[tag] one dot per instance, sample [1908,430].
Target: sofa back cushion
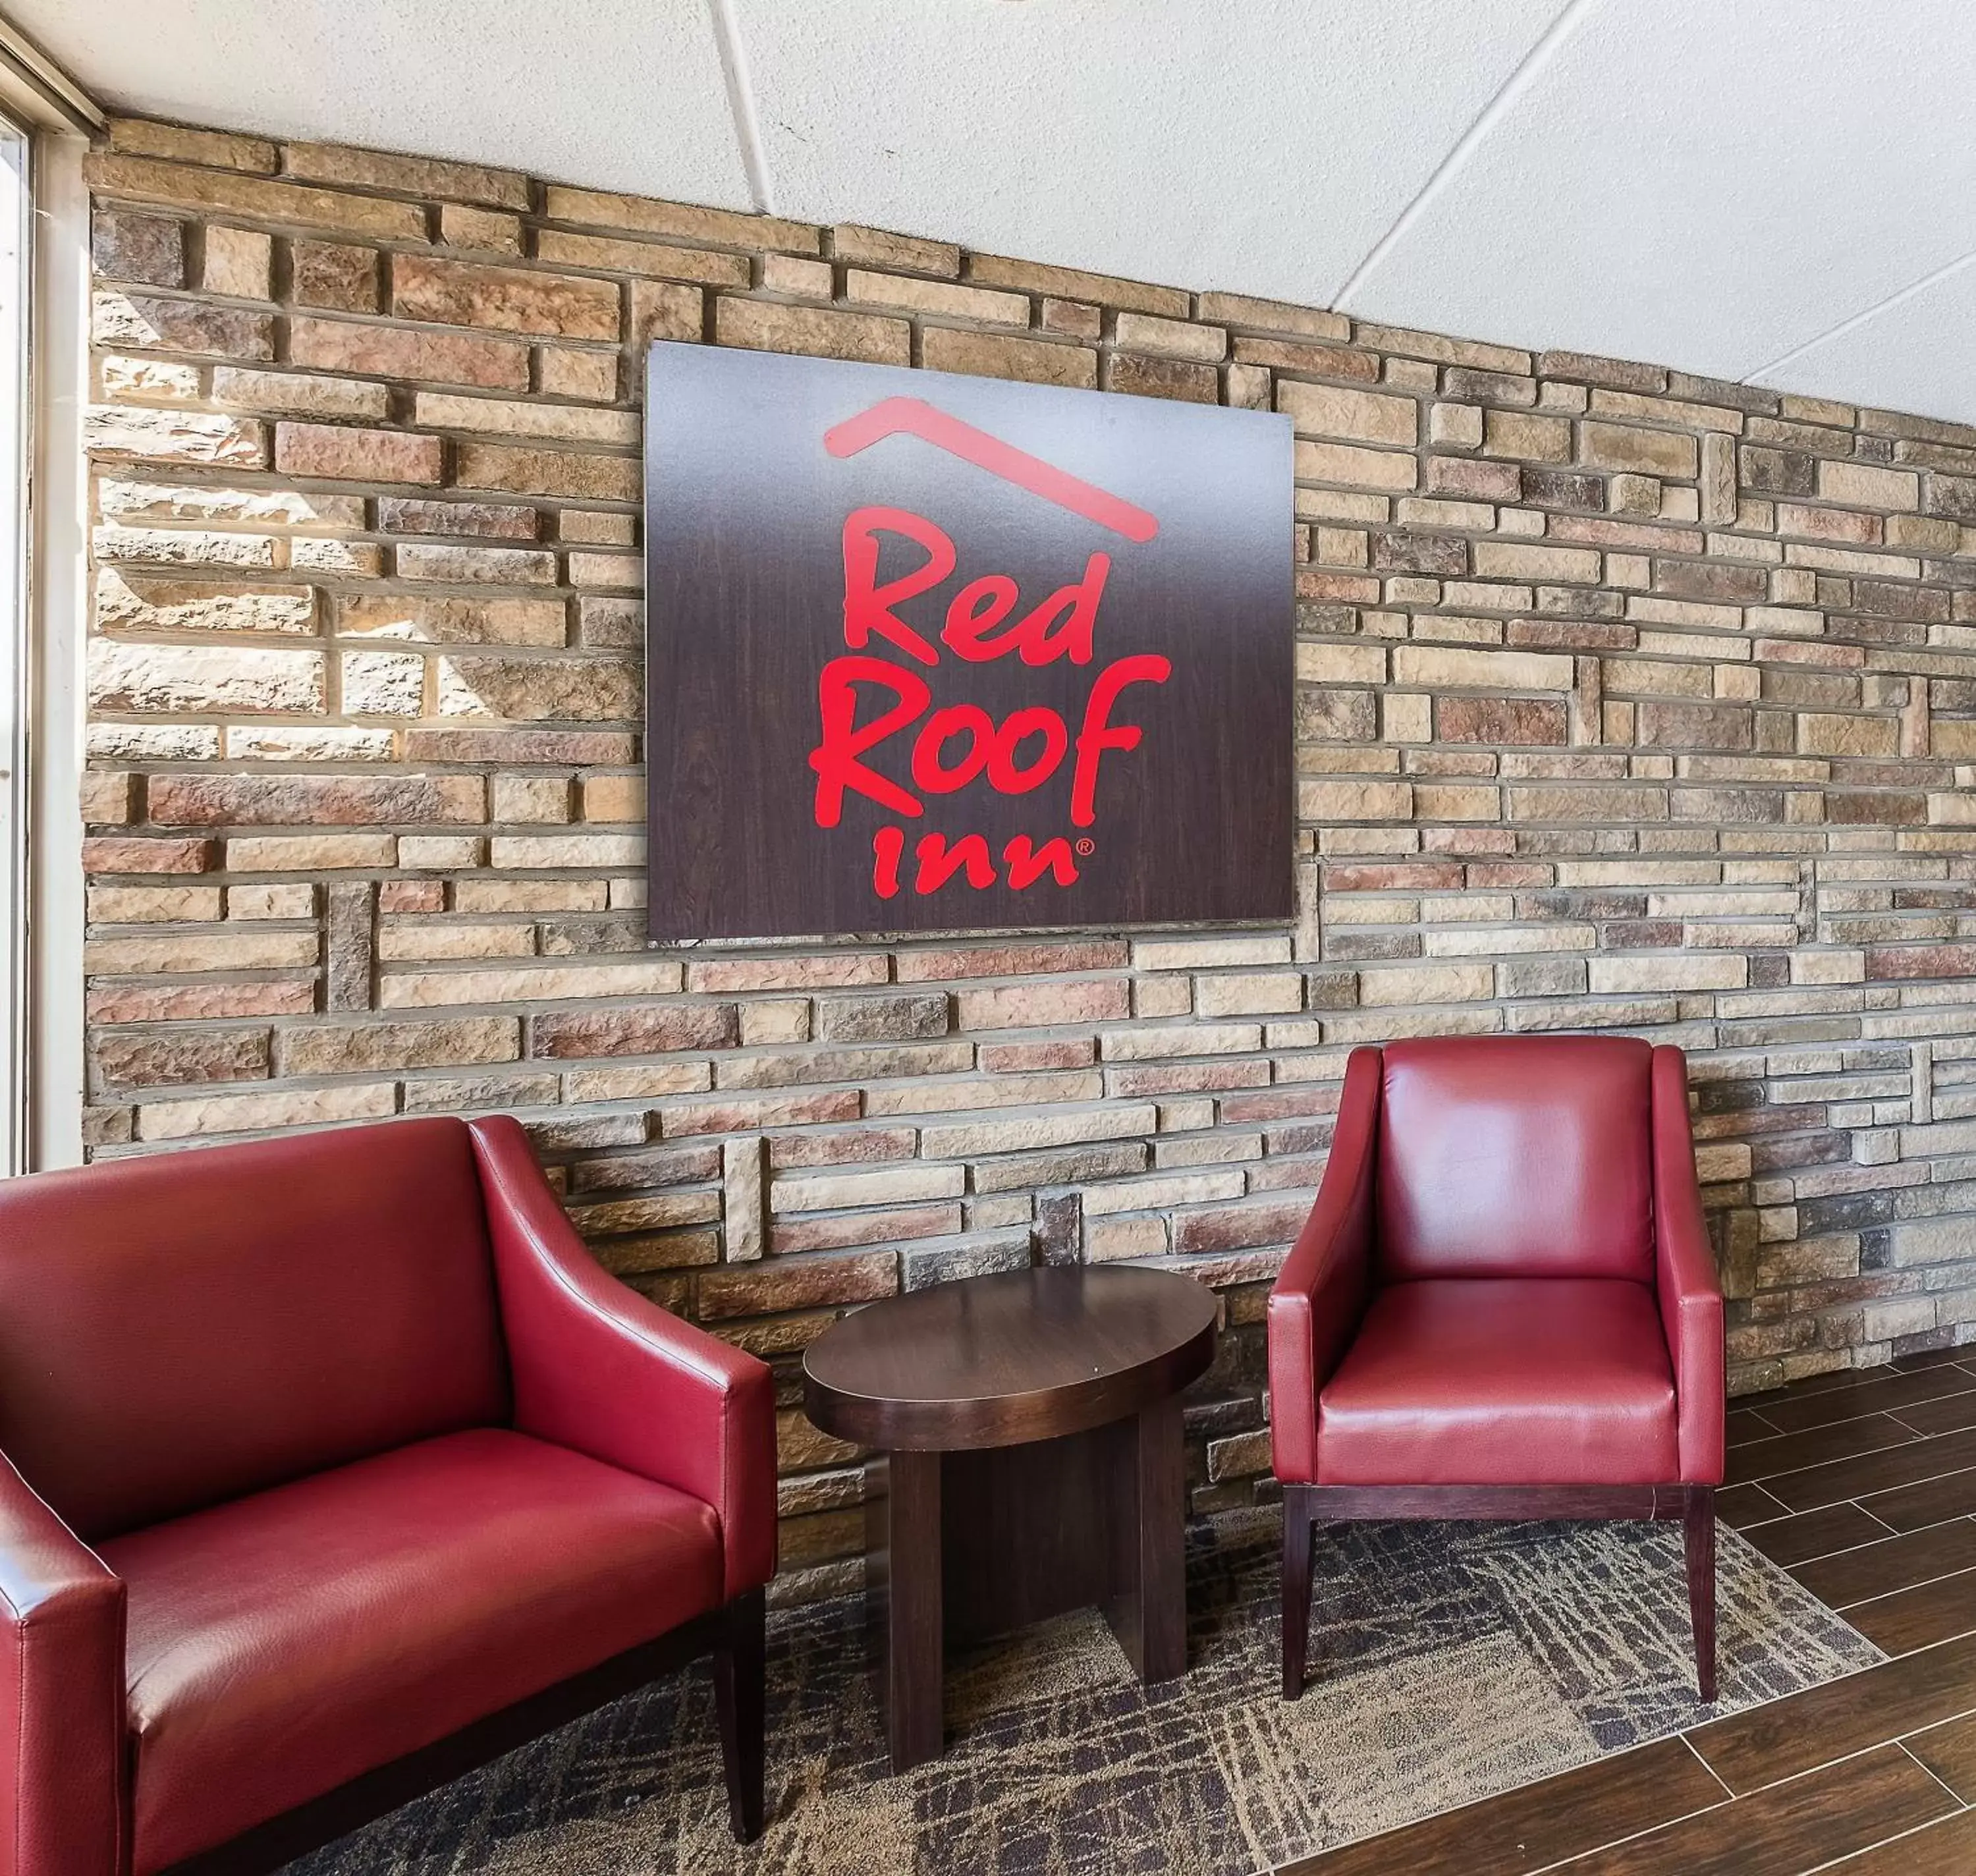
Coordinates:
[186,1327]
[1515,1156]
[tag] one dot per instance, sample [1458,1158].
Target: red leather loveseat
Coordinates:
[1504,1305]
[332,1465]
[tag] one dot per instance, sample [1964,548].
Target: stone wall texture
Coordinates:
[1628,701]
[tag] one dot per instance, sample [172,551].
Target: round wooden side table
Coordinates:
[1028,1460]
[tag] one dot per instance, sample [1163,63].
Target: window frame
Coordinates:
[16,179]
[42,1059]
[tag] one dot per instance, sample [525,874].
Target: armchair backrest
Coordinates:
[185,1327]
[1515,1156]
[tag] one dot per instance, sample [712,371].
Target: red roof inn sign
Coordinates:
[931,653]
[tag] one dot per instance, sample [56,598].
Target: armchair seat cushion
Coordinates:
[1503,1381]
[283,1642]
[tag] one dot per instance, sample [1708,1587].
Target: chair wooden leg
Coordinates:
[1297,1534]
[1699,1528]
[740,1674]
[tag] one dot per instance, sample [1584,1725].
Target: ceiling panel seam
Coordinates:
[741,102]
[1512,88]
[1860,318]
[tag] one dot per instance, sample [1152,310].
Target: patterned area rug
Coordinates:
[1452,1661]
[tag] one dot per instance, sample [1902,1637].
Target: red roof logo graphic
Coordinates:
[915,416]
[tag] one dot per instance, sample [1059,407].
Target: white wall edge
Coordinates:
[57,595]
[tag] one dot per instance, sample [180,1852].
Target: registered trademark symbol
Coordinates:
[1086,847]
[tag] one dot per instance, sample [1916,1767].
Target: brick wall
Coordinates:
[1628,700]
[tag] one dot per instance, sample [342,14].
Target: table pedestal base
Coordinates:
[964,1545]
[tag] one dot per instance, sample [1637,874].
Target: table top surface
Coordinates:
[1021,1355]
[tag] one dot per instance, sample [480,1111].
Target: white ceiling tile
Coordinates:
[1263,148]
[1918,355]
[1715,185]
[625,94]
[1709,184]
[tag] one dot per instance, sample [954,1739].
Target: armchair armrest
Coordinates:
[1320,1294]
[1691,1294]
[598,1368]
[61,1695]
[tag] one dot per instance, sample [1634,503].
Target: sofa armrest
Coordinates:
[61,1695]
[1321,1293]
[599,1369]
[1690,1294]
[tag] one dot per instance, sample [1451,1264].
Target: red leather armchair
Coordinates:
[333,1466]
[1504,1305]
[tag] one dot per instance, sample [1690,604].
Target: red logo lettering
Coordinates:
[1006,774]
[1027,863]
[836,758]
[868,606]
[939,862]
[1100,734]
[948,749]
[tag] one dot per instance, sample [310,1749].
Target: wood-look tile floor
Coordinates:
[1863,1486]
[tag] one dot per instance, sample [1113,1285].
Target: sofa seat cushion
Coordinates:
[1503,1381]
[284,1642]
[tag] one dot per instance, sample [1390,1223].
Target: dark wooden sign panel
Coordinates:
[931,653]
